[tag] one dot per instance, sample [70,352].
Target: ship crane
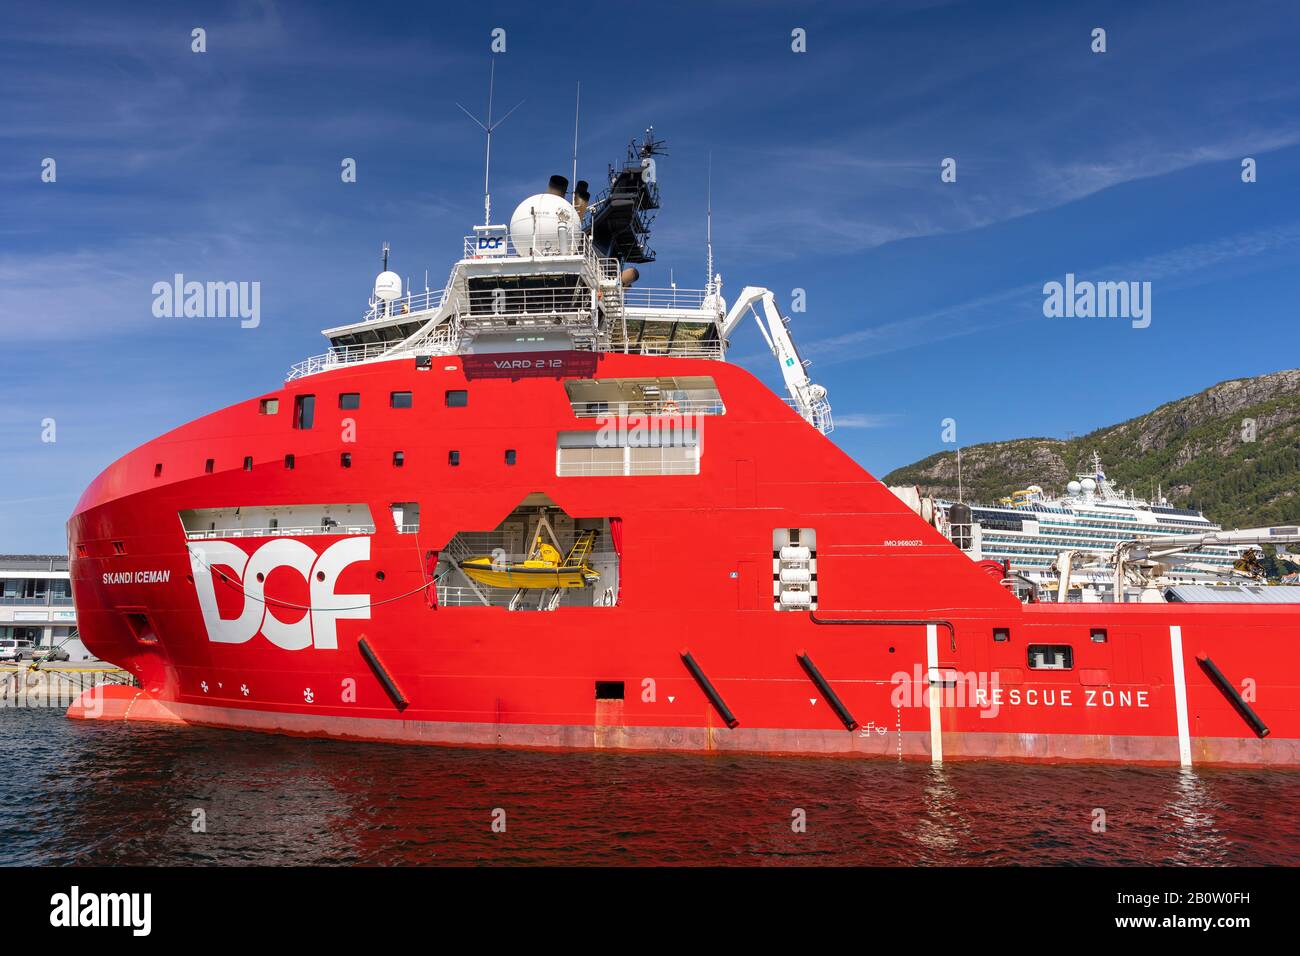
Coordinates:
[809,399]
[1149,549]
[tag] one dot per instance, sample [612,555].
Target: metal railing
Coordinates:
[410,304]
[660,406]
[532,303]
[277,532]
[335,357]
[647,298]
[820,412]
[704,350]
[613,469]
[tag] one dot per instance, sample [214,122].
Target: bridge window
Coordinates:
[457,398]
[269,406]
[349,400]
[400,400]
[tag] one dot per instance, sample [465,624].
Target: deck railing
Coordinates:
[410,304]
[278,532]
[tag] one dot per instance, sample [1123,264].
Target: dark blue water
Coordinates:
[110,793]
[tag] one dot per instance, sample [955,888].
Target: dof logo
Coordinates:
[315,628]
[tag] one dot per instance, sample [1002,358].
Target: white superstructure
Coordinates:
[558,278]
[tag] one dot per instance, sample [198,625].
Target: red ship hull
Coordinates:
[938,668]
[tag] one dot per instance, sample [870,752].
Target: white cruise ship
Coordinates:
[1036,536]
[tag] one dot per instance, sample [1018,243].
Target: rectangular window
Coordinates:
[248,463]
[510,456]
[457,398]
[119,547]
[288,462]
[1098,635]
[269,406]
[345,459]
[157,470]
[209,465]
[1001,634]
[609,690]
[453,458]
[349,400]
[1051,657]
[399,459]
[400,400]
[304,411]
[628,451]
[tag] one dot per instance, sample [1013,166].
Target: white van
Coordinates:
[15,650]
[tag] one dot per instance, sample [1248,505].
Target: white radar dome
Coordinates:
[1089,484]
[388,286]
[545,225]
[1074,487]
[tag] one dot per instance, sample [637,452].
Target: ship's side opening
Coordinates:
[538,558]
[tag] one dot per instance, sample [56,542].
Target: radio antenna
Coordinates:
[577,102]
[708,226]
[488,128]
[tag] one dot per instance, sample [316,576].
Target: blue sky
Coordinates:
[924,298]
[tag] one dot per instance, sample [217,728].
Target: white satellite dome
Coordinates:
[388,286]
[1074,487]
[545,225]
[1089,484]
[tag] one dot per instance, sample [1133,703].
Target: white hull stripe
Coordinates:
[1180,695]
[936,692]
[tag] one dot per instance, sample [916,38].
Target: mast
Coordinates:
[577,102]
[488,128]
[708,229]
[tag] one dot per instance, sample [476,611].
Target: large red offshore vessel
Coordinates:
[539,508]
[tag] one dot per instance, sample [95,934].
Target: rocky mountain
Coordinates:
[1232,451]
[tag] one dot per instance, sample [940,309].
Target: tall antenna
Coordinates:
[708,226]
[959,488]
[577,102]
[385,257]
[488,128]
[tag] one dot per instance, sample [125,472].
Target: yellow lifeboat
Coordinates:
[543,569]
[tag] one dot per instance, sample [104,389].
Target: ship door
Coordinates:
[750,592]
